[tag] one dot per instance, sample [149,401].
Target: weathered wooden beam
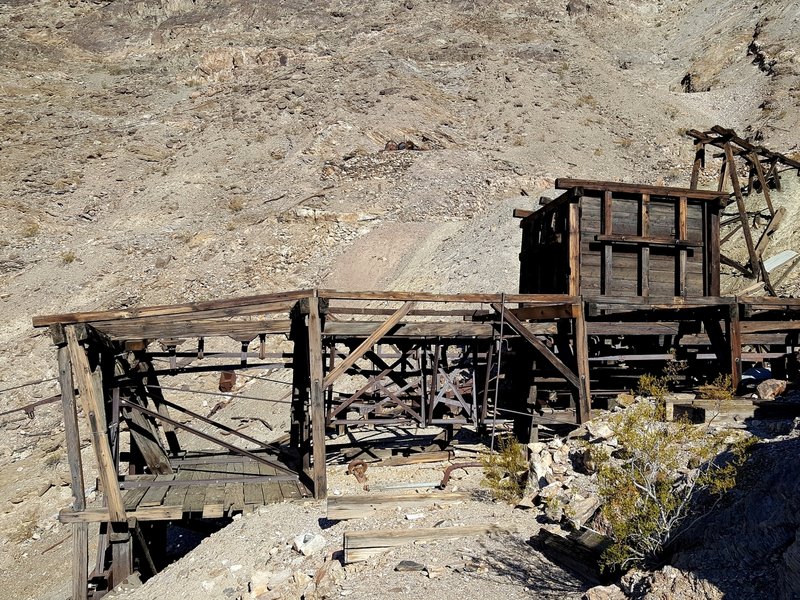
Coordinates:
[584,412]
[358,507]
[170,309]
[92,409]
[539,345]
[672,193]
[361,545]
[80,531]
[737,191]
[376,335]
[100,515]
[317,399]
[454,298]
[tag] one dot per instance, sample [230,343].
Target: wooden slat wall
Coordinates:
[611,266]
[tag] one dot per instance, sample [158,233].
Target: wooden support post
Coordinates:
[699,163]
[584,405]
[644,260]
[748,236]
[92,407]
[682,235]
[608,248]
[574,249]
[80,531]
[121,552]
[317,399]
[735,341]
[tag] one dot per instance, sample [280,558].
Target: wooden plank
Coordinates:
[644,251]
[131,498]
[574,285]
[361,545]
[539,345]
[667,192]
[196,494]
[253,495]
[214,503]
[682,235]
[317,384]
[154,496]
[735,341]
[454,298]
[238,330]
[607,275]
[584,412]
[177,495]
[234,492]
[653,241]
[363,506]
[272,491]
[699,163]
[771,228]
[737,191]
[92,409]
[376,335]
[170,309]
[100,515]
[756,162]
[768,326]
[416,459]
[80,531]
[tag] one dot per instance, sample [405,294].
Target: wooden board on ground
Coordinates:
[361,545]
[358,507]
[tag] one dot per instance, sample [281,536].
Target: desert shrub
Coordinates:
[505,472]
[719,389]
[654,386]
[649,494]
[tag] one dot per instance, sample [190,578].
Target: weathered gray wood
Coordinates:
[92,409]
[317,399]
[80,531]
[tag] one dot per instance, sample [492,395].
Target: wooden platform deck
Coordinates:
[212,489]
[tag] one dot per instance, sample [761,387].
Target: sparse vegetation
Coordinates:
[25,527]
[649,496]
[505,472]
[720,389]
[30,229]
[235,204]
[68,257]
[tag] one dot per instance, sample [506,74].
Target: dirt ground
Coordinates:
[176,150]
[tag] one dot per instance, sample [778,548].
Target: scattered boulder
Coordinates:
[409,565]
[308,543]
[604,592]
[771,389]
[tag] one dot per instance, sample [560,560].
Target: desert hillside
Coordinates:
[164,151]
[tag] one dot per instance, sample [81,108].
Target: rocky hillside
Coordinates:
[170,150]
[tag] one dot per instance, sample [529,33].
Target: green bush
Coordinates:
[648,495]
[505,472]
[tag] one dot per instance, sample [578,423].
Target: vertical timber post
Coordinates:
[584,412]
[317,404]
[735,340]
[80,531]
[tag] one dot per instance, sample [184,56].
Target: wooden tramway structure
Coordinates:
[357,359]
[629,282]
